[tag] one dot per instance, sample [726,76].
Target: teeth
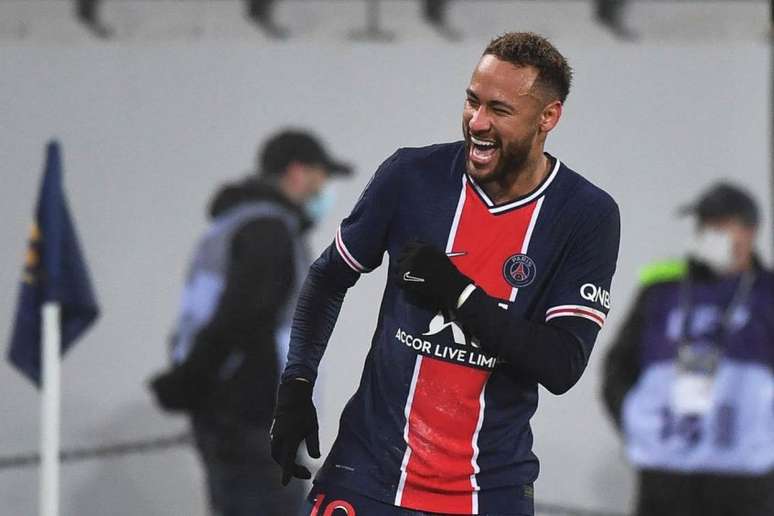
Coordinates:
[482,143]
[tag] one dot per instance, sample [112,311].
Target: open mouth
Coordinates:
[482,151]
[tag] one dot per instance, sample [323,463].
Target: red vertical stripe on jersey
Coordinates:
[446,406]
[444,416]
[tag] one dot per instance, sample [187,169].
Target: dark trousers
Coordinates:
[242,478]
[675,494]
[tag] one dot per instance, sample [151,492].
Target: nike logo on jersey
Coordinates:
[408,277]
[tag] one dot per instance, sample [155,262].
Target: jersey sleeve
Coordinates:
[579,299]
[359,247]
[361,239]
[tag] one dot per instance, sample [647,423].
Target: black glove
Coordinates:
[429,276]
[295,420]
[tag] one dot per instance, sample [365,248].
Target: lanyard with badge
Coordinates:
[697,364]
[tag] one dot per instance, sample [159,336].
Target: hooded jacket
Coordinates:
[231,338]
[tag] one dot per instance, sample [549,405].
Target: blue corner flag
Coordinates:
[55,271]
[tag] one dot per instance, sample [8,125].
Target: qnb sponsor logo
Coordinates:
[595,294]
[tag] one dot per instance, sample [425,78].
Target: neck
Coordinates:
[519,182]
[745,265]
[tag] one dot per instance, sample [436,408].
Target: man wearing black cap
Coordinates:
[689,378]
[231,339]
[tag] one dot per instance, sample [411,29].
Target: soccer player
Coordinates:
[500,263]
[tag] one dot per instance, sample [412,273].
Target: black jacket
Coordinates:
[257,288]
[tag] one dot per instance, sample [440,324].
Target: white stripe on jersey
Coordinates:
[347,256]
[407,412]
[576,311]
[528,237]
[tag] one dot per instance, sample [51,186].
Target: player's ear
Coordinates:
[550,116]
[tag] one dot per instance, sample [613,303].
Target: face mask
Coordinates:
[319,205]
[714,247]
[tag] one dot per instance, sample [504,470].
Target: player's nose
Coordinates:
[480,121]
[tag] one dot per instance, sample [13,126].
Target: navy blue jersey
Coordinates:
[436,423]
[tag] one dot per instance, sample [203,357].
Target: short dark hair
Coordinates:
[530,49]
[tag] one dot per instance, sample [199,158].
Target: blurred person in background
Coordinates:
[87,12]
[610,13]
[688,379]
[435,13]
[492,243]
[231,339]
[261,13]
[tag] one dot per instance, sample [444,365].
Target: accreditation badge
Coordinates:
[692,392]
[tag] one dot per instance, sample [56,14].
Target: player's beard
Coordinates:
[513,156]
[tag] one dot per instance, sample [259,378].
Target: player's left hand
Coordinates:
[295,420]
[427,274]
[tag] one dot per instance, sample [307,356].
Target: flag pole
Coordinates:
[50,411]
[55,272]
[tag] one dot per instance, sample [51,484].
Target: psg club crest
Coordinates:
[519,270]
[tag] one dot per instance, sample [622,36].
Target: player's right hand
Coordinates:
[295,420]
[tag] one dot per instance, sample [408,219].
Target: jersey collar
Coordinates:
[521,201]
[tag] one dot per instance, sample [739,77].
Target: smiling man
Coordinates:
[500,264]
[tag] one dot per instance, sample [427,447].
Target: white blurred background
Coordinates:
[178,100]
